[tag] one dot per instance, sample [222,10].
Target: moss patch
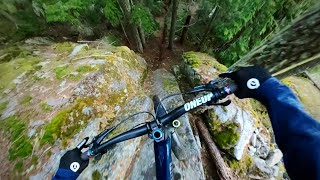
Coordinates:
[196,59]
[19,166]
[240,167]
[261,114]
[62,71]
[10,70]
[65,47]
[226,134]
[45,107]
[191,59]
[3,106]
[96,175]
[84,69]
[26,100]
[16,129]
[169,85]
[67,122]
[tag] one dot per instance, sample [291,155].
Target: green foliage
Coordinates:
[239,26]
[16,129]
[142,16]
[26,100]
[226,134]
[65,11]
[112,12]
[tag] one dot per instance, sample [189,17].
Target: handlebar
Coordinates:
[215,95]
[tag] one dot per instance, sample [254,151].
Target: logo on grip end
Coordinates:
[75,166]
[253,83]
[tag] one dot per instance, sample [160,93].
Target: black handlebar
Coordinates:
[215,95]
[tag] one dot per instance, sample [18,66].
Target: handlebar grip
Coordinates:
[85,156]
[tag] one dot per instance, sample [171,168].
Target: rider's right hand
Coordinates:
[248,79]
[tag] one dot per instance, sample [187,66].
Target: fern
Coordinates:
[113,12]
[142,16]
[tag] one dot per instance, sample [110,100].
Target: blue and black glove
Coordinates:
[72,160]
[248,79]
[71,165]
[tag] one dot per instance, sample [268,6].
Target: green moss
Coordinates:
[260,113]
[62,72]
[116,98]
[26,100]
[65,47]
[86,68]
[191,59]
[3,106]
[195,59]
[96,175]
[21,146]
[169,85]
[45,107]
[34,160]
[240,167]
[19,166]
[67,122]
[10,70]
[226,134]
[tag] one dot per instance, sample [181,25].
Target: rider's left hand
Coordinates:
[71,160]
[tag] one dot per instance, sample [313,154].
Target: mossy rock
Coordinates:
[64,47]
[11,70]
[308,94]
[226,134]
[67,122]
[197,59]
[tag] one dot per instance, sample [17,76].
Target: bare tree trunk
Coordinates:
[185,29]
[132,30]
[224,171]
[173,22]
[292,50]
[142,37]
[204,37]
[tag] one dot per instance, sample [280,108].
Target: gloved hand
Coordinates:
[248,79]
[72,160]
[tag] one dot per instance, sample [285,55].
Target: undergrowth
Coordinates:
[15,128]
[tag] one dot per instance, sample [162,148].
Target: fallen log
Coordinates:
[224,171]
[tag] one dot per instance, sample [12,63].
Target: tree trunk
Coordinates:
[173,23]
[204,37]
[142,37]
[185,29]
[224,171]
[131,29]
[292,50]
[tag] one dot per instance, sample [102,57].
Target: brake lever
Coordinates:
[83,143]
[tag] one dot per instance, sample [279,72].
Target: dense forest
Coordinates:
[72,68]
[226,29]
